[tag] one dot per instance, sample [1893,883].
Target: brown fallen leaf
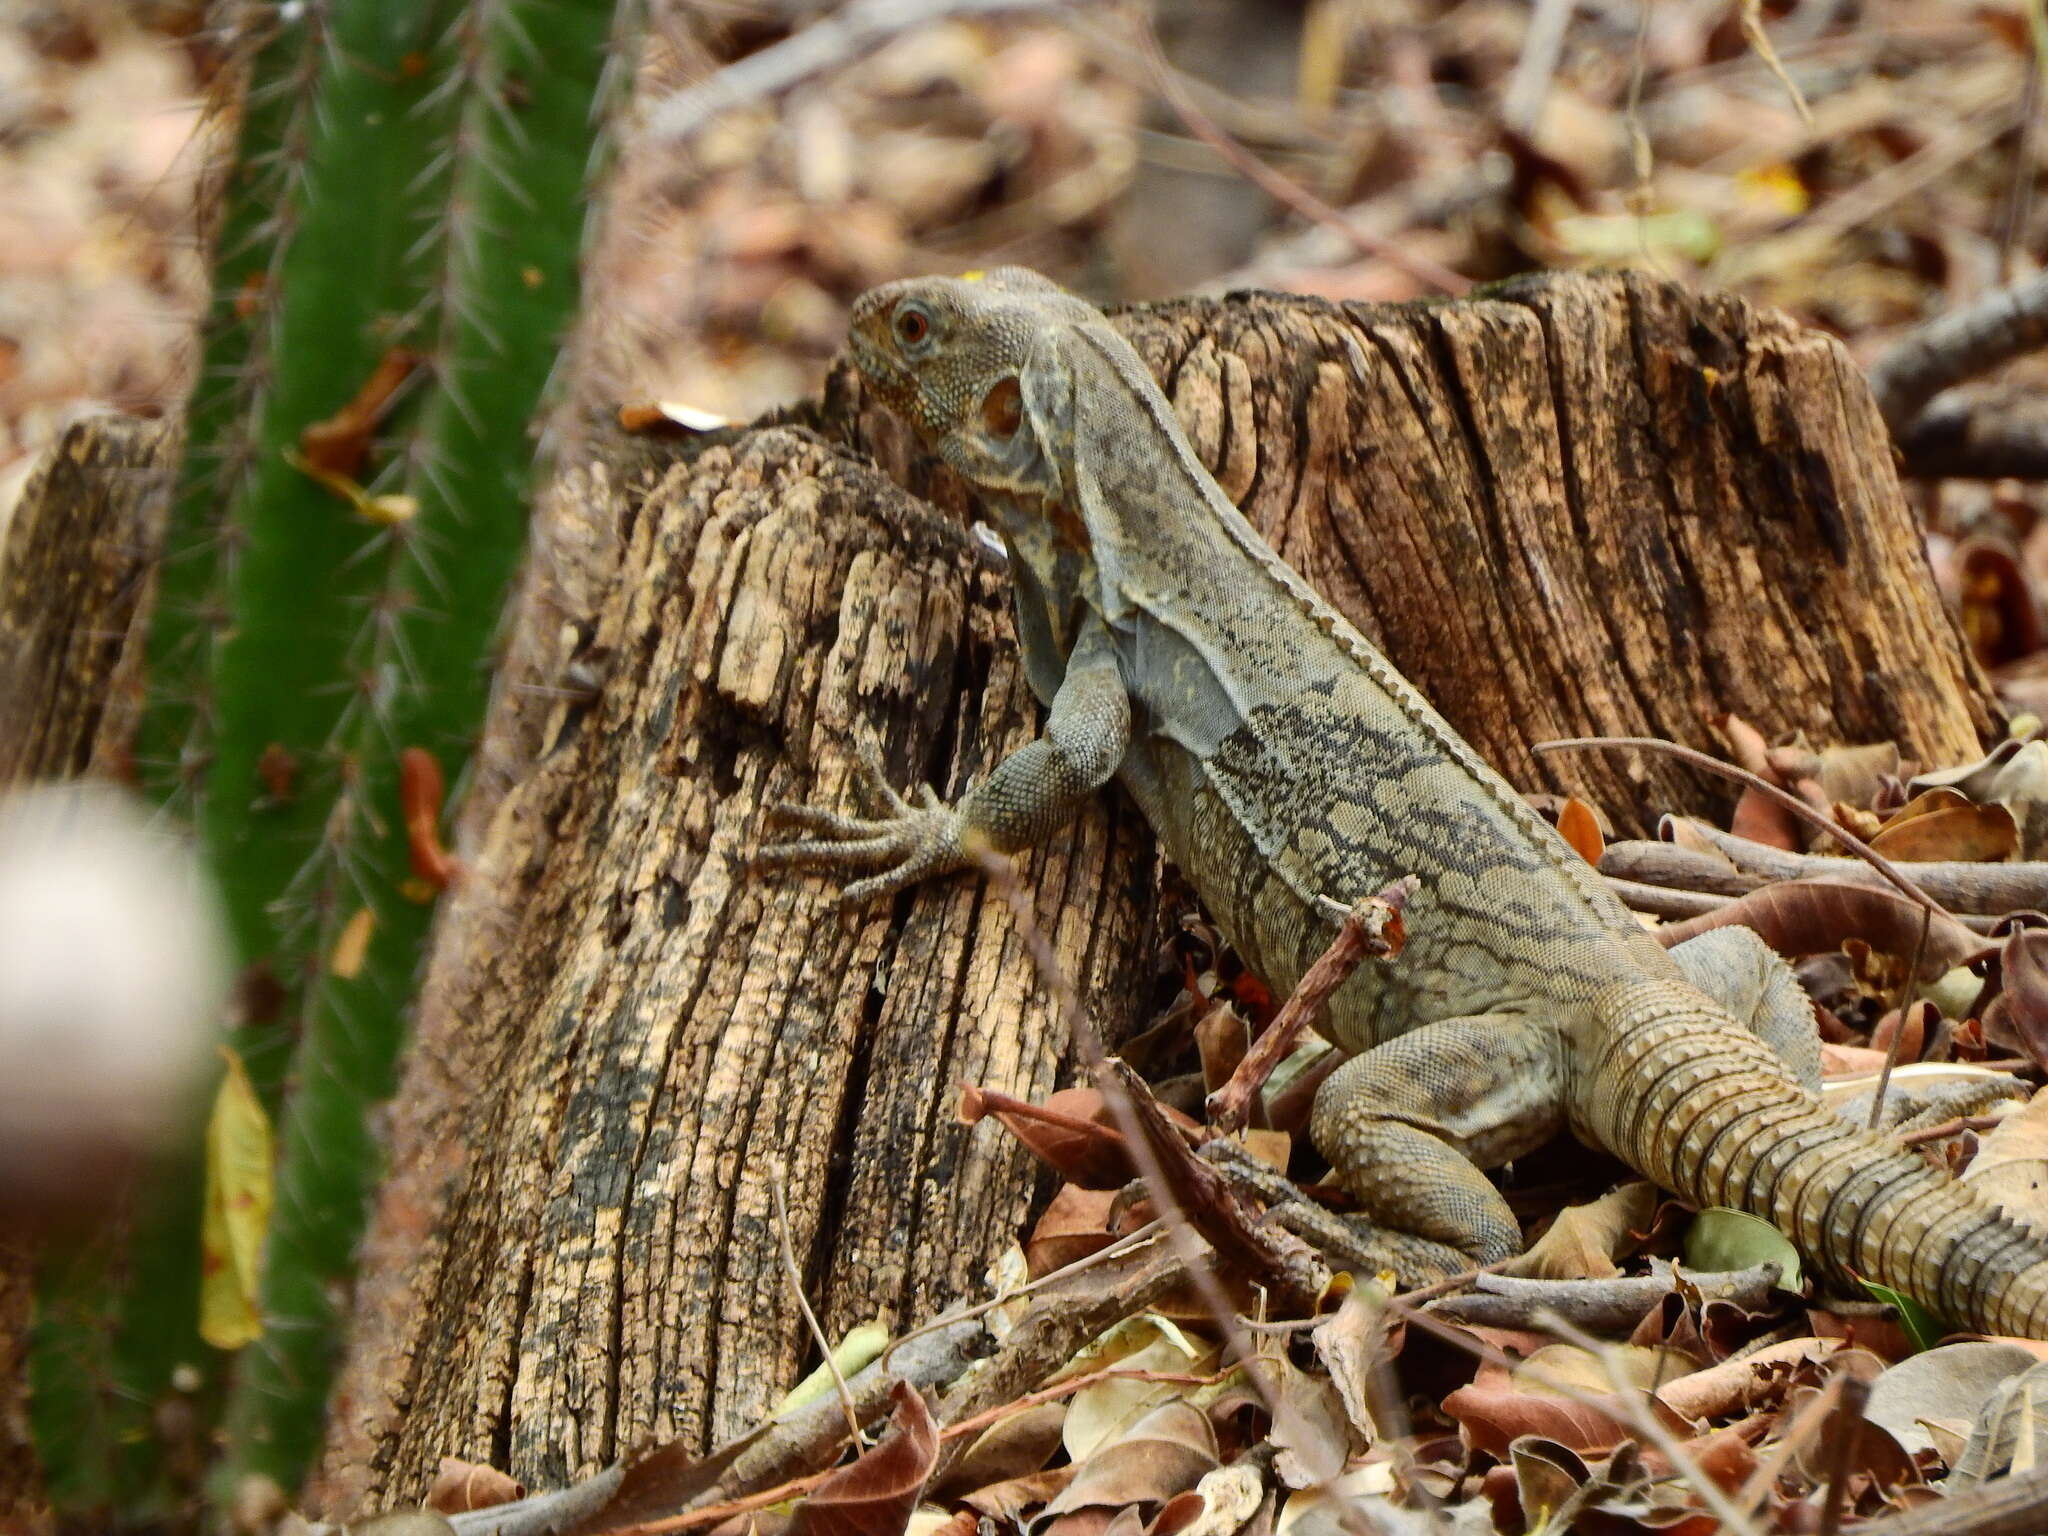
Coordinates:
[2011,1165]
[2018,1015]
[1066,1132]
[1492,1414]
[1577,825]
[464,1485]
[339,444]
[1075,1224]
[1012,1497]
[1162,1454]
[1758,817]
[1977,834]
[421,789]
[1014,1447]
[1815,917]
[875,1495]
[1585,1240]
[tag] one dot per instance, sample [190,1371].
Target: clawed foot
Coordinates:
[914,842]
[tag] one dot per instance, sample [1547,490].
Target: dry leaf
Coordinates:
[237,1213]
[1577,825]
[1104,1409]
[1815,917]
[1015,1446]
[874,1496]
[339,444]
[1159,1455]
[2018,1015]
[2011,1165]
[1979,834]
[1585,1240]
[1075,1224]
[464,1485]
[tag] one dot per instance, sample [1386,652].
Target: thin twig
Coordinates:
[1947,1128]
[776,1181]
[1909,994]
[1129,1243]
[1373,927]
[1791,802]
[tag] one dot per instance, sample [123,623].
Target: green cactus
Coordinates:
[410,175]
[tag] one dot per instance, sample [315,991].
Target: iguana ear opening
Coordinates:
[1002,409]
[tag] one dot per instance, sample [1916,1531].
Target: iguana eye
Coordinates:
[1002,409]
[912,325]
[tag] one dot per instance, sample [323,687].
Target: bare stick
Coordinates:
[2009,1506]
[1964,344]
[796,1285]
[1947,1128]
[1765,787]
[1373,927]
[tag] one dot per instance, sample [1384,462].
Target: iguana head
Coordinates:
[964,361]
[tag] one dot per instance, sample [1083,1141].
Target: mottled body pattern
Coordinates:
[1285,764]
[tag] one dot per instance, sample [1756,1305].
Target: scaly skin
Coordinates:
[1284,763]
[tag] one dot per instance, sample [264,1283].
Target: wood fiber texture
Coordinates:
[76,558]
[1579,504]
[1592,504]
[627,1035]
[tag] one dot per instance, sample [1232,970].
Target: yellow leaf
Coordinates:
[238,1195]
[1776,187]
[859,1349]
[353,945]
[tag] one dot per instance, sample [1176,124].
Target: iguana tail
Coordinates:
[1685,1096]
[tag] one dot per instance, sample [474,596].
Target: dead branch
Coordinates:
[1979,436]
[1964,344]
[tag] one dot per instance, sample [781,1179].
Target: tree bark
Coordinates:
[628,1036]
[76,557]
[1584,504]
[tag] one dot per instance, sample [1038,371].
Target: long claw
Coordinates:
[815,818]
[873,779]
[811,850]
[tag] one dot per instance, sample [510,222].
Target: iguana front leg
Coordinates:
[1031,793]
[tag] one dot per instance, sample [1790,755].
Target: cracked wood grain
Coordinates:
[1588,504]
[77,554]
[625,1030]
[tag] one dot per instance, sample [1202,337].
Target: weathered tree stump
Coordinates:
[1586,504]
[628,1036]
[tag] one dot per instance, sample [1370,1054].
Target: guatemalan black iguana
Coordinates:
[1285,765]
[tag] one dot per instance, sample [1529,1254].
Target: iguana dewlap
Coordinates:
[1283,762]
